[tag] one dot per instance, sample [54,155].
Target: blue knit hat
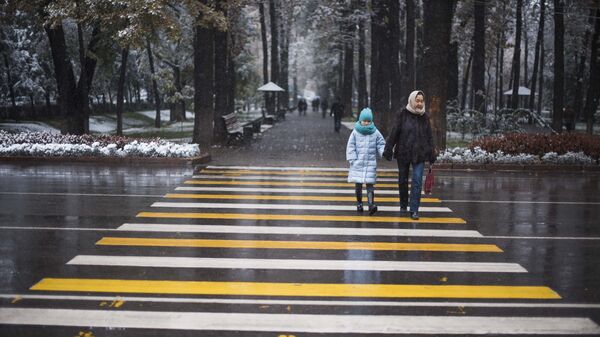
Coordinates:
[366,115]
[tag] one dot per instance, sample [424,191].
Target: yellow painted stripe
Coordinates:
[251,216]
[294,289]
[276,183]
[281,197]
[269,244]
[287,173]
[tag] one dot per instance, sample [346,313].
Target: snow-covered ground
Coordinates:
[28,127]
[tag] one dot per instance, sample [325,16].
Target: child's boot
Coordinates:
[359,204]
[372,206]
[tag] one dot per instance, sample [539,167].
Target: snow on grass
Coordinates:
[42,144]
[461,155]
[28,127]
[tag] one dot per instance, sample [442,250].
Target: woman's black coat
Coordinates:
[411,139]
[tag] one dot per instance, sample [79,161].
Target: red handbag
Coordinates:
[429,179]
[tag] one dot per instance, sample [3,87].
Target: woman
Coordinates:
[411,143]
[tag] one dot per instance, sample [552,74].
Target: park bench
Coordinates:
[241,130]
[235,130]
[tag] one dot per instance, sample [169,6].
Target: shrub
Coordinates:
[540,144]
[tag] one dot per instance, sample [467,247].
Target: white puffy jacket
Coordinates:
[362,152]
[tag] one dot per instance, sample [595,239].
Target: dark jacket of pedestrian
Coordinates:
[411,139]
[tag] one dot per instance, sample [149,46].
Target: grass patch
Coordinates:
[161,134]
[450,143]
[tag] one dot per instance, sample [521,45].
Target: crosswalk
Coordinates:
[288,236]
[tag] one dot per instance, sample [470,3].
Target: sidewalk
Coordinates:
[303,141]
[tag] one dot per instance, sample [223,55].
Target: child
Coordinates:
[364,146]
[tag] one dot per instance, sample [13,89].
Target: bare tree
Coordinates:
[516,64]
[478,80]
[437,26]
[536,60]
[559,66]
[593,93]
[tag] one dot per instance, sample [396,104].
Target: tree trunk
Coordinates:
[394,45]
[9,82]
[419,46]
[559,66]
[380,64]
[85,106]
[593,93]
[578,103]
[348,63]
[274,16]
[410,45]
[501,80]
[156,94]
[65,80]
[453,72]
[465,83]
[478,80]
[285,26]
[516,64]
[538,44]
[362,73]
[221,56]
[121,89]
[436,36]
[231,80]
[203,85]
[265,48]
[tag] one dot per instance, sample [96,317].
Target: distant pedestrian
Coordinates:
[316,102]
[411,143]
[324,107]
[302,105]
[364,146]
[337,110]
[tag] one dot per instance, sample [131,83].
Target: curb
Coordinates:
[203,158]
[516,167]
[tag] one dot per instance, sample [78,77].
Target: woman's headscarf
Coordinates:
[365,115]
[411,106]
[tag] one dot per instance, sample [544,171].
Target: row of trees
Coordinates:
[467,52]
[209,53]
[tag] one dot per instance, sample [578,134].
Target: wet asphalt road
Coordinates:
[544,225]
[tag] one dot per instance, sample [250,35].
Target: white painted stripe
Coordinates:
[85,194]
[295,264]
[303,207]
[194,300]
[383,324]
[150,227]
[266,177]
[524,202]
[279,168]
[280,190]
[354,231]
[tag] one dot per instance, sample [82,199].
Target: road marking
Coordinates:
[303,207]
[338,173]
[294,231]
[294,264]
[300,323]
[524,202]
[285,230]
[324,245]
[267,177]
[295,289]
[296,217]
[280,190]
[85,194]
[277,183]
[304,302]
[279,168]
[283,197]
